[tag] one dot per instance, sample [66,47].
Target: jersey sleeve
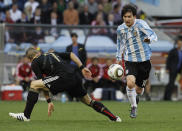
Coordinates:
[144,27]
[65,55]
[120,45]
[36,69]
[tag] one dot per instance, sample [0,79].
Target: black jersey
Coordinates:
[51,64]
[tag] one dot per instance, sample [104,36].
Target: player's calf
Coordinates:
[139,92]
[99,107]
[32,99]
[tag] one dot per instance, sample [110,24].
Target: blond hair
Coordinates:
[31,52]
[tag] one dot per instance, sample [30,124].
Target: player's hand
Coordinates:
[86,73]
[147,40]
[50,108]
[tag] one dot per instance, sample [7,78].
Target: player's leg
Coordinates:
[131,90]
[31,101]
[142,77]
[79,91]
[131,75]
[131,93]
[32,97]
[99,107]
[147,91]
[139,92]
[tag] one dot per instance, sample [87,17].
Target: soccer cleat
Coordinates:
[133,112]
[118,119]
[19,116]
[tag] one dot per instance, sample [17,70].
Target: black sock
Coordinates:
[99,107]
[31,101]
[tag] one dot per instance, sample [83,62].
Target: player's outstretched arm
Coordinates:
[50,108]
[75,59]
[50,104]
[85,71]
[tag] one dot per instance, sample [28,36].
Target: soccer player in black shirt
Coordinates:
[55,75]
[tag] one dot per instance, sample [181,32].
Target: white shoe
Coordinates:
[118,119]
[19,116]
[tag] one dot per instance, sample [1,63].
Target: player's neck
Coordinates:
[37,55]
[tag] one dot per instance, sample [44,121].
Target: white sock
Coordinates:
[131,93]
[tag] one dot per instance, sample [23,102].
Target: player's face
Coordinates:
[129,19]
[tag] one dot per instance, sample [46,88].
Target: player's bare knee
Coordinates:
[130,81]
[130,84]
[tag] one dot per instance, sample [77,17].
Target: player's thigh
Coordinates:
[37,84]
[143,75]
[131,68]
[78,90]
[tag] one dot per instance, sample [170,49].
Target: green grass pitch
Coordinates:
[75,116]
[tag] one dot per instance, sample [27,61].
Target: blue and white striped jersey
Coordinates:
[130,41]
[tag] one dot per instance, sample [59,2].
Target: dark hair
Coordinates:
[129,8]
[74,34]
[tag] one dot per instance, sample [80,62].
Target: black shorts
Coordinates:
[140,70]
[73,86]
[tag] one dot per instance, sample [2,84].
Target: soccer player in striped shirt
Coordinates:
[133,39]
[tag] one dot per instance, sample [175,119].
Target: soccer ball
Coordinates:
[115,71]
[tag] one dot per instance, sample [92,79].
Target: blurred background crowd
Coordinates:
[68,12]
[61,12]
